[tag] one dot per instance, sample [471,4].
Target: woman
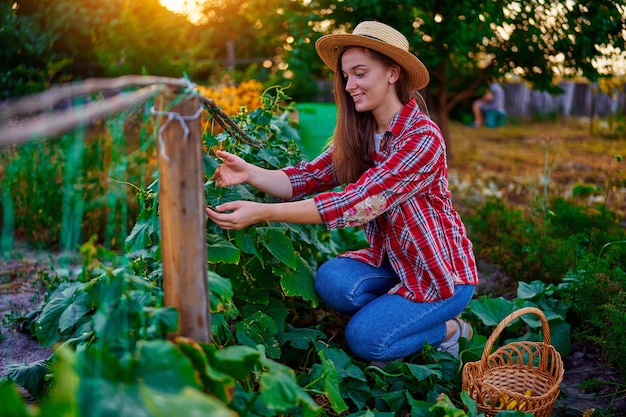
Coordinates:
[419,272]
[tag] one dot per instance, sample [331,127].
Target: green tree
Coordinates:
[27,63]
[467,43]
[110,37]
[143,37]
[245,35]
[72,26]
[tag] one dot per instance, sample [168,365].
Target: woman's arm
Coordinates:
[236,215]
[273,182]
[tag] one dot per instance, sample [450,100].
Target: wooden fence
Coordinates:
[577,99]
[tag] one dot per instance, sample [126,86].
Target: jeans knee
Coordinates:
[365,345]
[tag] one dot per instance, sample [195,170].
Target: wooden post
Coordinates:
[181,201]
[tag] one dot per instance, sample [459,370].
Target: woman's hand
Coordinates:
[232,171]
[237,214]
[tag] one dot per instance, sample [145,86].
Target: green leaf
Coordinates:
[397,399]
[160,365]
[281,391]
[560,336]
[209,162]
[259,329]
[111,323]
[63,399]
[221,295]
[279,245]
[298,282]
[343,364]
[245,240]
[144,233]
[194,352]
[47,325]
[301,338]
[237,361]
[219,250]
[469,403]
[106,290]
[13,404]
[421,408]
[30,376]
[357,391]
[331,385]
[161,321]
[445,407]
[189,403]
[473,348]
[422,372]
[491,311]
[220,384]
[100,397]
[80,306]
[527,291]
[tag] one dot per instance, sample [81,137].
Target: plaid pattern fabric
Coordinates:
[405,206]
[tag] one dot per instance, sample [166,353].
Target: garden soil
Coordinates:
[516,162]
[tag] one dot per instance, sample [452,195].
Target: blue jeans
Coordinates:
[384,327]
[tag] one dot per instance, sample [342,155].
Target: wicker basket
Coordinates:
[501,380]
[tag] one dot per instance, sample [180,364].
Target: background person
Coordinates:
[418,273]
[490,107]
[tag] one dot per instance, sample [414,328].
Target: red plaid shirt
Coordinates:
[404,204]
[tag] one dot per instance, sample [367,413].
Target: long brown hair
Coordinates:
[353,140]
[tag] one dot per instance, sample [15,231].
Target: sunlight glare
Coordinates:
[192,9]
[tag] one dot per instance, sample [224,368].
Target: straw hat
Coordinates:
[381,38]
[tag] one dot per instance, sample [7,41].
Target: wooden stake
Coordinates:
[181,200]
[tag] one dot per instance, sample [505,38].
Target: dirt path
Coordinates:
[20,292]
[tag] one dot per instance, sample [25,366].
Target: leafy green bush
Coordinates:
[543,243]
[596,290]
[59,192]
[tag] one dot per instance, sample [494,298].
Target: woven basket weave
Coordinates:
[500,380]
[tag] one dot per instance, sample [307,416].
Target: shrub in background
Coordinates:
[596,293]
[543,243]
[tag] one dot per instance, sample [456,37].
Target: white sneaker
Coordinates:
[464,329]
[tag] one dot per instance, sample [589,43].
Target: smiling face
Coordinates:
[369,82]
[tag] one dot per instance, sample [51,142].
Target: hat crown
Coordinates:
[383,33]
[378,37]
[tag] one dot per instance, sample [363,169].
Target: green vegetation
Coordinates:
[57,193]
[464,44]
[275,349]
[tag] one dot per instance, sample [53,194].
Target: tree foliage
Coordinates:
[26,62]
[143,37]
[247,35]
[89,38]
[467,43]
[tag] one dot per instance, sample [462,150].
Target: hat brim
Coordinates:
[329,47]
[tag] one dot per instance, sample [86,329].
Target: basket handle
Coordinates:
[506,321]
